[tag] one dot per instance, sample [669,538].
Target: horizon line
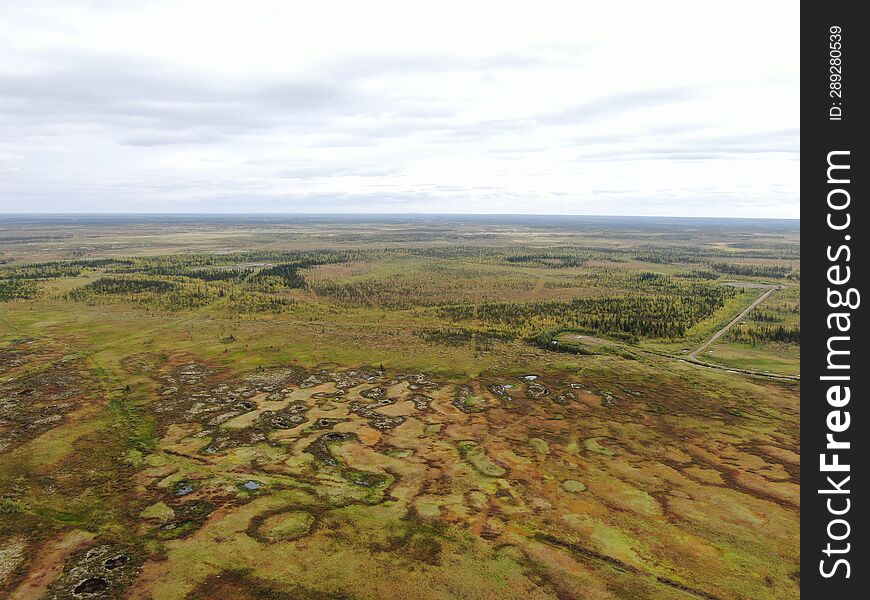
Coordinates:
[375,214]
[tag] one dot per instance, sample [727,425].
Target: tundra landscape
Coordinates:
[427,407]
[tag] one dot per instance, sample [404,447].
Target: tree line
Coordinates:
[757,334]
[772,271]
[623,317]
[16,289]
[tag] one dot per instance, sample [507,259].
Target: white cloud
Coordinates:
[554,107]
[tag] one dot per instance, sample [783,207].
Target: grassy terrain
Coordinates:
[753,343]
[377,409]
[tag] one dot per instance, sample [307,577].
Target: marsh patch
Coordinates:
[564,399]
[465,400]
[421,401]
[98,572]
[158,512]
[91,585]
[227,439]
[477,457]
[16,353]
[375,419]
[502,391]
[142,363]
[535,389]
[383,422]
[285,526]
[34,403]
[182,488]
[286,418]
[608,400]
[573,486]
[539,445]
[419,381]
[241,585]
[375,393]
[365,479]
[319,448]
[595,445]
[186,518]
[271,379]
[12,554]
[417,540]
[325,423]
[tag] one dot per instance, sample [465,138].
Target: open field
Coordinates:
[398,407]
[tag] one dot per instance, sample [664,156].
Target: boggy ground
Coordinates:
[402,408]
[335,482]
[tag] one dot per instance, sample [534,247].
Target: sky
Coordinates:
[619,108]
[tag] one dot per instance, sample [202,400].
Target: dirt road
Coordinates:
[694,355]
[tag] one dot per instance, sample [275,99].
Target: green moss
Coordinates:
[477,458]
[12,506]
[158,512]
[593,445]
[573,486]
[365,479]
[285,526]
[540,446]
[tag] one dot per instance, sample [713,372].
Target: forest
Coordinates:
[648,304]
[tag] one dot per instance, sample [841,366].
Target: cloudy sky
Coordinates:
[645,108]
